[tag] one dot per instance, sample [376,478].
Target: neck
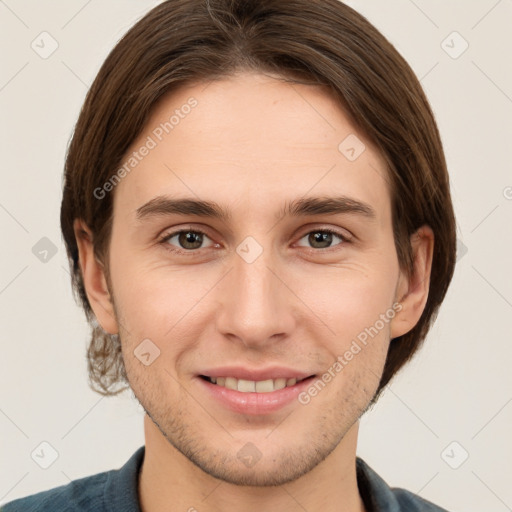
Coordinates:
[170,482]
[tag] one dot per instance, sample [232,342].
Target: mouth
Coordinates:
[252,386]
[253,391]
[254,397]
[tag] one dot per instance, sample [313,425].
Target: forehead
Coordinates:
[251,135]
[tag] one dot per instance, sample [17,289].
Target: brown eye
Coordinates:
[187,240]
[323,238]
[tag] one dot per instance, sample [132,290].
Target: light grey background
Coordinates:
[458,388]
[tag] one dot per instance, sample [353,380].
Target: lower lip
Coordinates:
[252,402]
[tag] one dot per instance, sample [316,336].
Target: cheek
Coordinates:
[350,299]
[155,302]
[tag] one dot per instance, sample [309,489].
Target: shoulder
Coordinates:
[414,503]
[116,489]
[378,496]
[84,494]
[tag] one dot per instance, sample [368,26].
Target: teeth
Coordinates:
[251,386]
[246,386]
[279,383]
[262,386]
[231,383]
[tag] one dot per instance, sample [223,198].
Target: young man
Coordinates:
[258,218]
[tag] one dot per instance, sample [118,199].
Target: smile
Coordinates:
[251,386]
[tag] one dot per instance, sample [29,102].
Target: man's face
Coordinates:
[255,290]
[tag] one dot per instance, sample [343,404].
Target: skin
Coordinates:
[252,143]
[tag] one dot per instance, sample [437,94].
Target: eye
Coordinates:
[191,240]
[186,239]
[323,238]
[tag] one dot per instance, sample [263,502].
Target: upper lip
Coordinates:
[256,374]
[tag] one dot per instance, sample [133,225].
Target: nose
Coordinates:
[256,305]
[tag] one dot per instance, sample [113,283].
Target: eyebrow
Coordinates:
[304,207]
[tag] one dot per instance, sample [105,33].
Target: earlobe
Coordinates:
[93,275]
[412,292]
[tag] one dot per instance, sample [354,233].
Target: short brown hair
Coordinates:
[322,42]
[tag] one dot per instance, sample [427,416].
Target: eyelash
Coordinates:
[165,239]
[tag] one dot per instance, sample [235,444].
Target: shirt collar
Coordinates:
[376,494]
[122,486]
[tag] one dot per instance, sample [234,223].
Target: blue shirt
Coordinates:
[117,490]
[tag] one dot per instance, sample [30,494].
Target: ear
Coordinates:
[412,292]
[94,279]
